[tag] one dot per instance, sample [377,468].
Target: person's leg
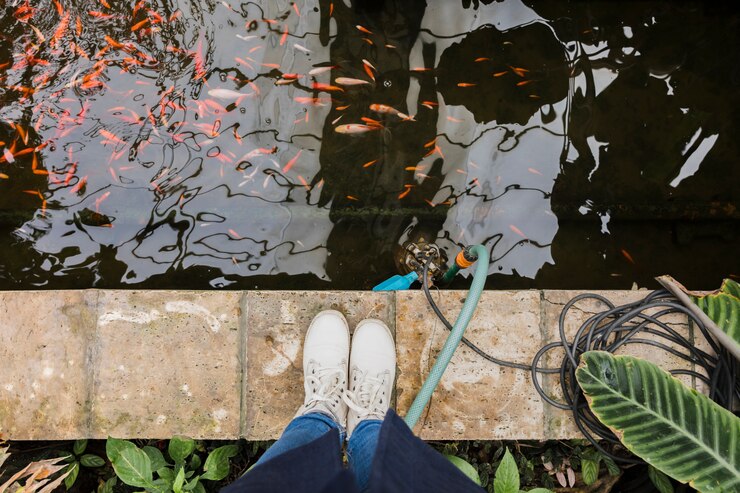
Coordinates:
[301,430]
[361,450]
[372,372]
[325,359]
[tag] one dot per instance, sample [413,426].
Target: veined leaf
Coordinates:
[179,481]
[79,446]
[465,467]
[589,470]
[719,310]
[155,456]
[661,482]
[217,464]
[180,448]
[723,307]
[114,446]
[134,468]
[506,479]
[673,428]
[92,460]
[73,470]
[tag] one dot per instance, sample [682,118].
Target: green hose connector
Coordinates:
[450,274]
[453,340]
[464,259]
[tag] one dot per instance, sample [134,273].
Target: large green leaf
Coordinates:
[674,428]
[719,310]
[723,307]
[114,446]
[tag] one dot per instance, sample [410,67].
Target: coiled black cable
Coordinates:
[610,330]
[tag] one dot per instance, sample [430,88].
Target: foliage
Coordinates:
[36,476]
[465,467]
[507,477]
[723,307]
[661,482]
[673,428]
[184,472]
[718,310]
[538,463]
[79,459]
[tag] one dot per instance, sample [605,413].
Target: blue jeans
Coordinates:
[307,428]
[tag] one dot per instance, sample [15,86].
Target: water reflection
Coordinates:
[194,144]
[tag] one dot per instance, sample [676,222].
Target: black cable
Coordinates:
[610,330]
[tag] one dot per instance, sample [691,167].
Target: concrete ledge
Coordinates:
[227,364]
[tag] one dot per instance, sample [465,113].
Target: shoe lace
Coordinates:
[324,384]
[367,400]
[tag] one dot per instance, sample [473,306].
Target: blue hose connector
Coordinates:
[397,283]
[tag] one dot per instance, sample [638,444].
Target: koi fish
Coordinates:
[258,152]
[326,87]
[627,255]
[348,81]
[228,94]
[385,109]
[320,70]
[517,230]
[292,162]
[355,128]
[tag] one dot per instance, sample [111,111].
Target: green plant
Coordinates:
[79,459]
[36,476]
[138,466]
[465,467]
[506,479]
[719,310]
[723,307]
[680,432]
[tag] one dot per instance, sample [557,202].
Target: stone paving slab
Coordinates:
[475,399]
[166,364]
[44,355]
[277,322]
[225,364]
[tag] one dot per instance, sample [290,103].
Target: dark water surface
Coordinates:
[194,144]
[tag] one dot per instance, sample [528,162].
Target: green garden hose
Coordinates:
[453,340]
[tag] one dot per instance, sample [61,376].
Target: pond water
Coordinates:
[277,144]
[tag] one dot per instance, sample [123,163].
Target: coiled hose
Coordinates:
[453,340]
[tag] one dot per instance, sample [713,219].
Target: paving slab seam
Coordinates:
[243,361]
[90,369]
[547,409]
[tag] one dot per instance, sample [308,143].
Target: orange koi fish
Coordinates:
[292,162]
[355,128]
[348,81]
[389,110]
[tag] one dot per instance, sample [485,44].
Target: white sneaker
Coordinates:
[372,372]
[325,355]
